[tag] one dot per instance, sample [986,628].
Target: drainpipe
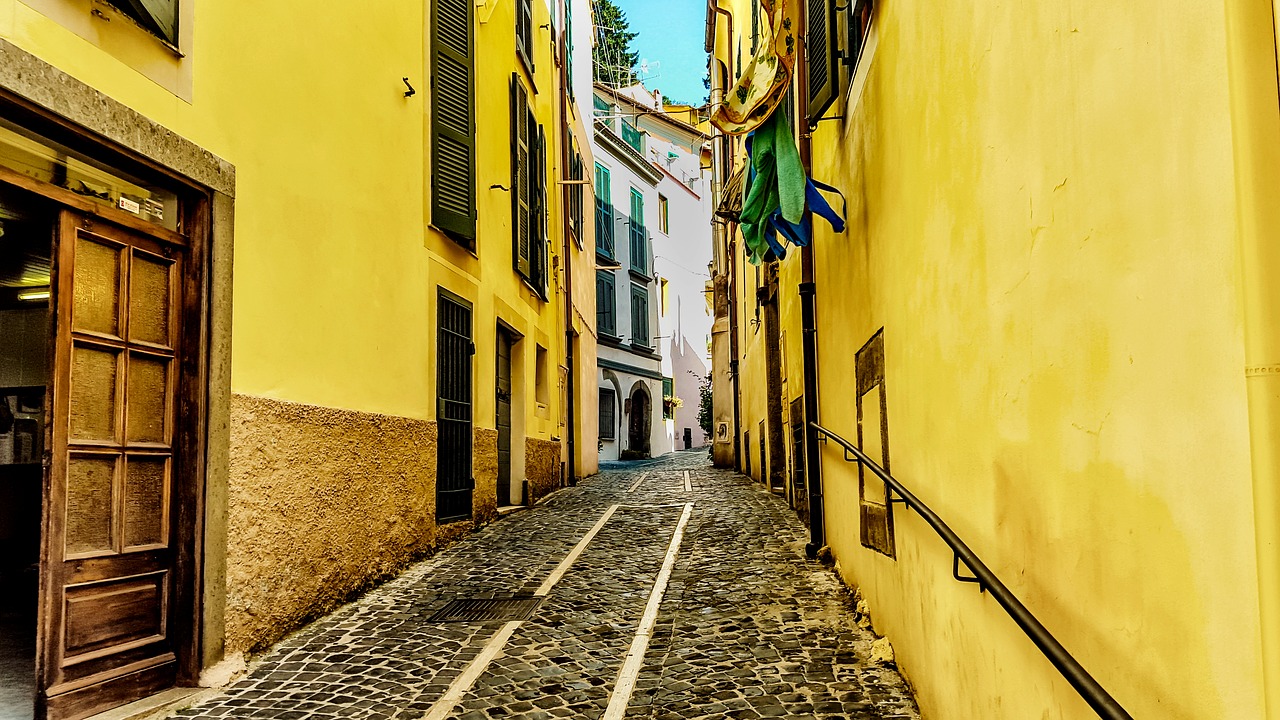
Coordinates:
[808,319]
[571,425]
[1255,121]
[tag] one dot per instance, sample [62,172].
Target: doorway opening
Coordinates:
[503,411]
[641,420]
[26,235]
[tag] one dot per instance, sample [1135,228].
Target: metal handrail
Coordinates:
[1090,690]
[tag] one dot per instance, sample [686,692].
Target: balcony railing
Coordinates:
[1089,689]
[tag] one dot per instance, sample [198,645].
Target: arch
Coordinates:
[639,419]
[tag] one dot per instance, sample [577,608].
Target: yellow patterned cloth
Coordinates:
[764,80]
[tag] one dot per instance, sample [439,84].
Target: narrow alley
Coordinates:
[746,628]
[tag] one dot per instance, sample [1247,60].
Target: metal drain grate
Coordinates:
[488,609]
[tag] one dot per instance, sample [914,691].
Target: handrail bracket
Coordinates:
[955,573]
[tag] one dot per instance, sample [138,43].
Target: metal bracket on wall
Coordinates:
[955,573]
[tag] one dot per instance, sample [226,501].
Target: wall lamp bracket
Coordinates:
[503,188]
[410,92]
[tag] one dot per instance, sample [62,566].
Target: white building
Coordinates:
[682,246]
[629,362]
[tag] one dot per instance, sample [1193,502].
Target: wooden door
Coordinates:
[110,555]
[503,419]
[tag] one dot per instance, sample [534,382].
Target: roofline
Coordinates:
[608,140]
[680,124]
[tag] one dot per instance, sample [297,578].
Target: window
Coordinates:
[668,391]
[604,213]
[158,17]
[823,49]
[662,297]
[632,137]
[542,391]
[639,315]
[568,49]
[576,193]
[524,32]
[852,25]
[606,303]
[639,235]
[453,164]
[664,220]
[604,111]
[528,189]
[608,411]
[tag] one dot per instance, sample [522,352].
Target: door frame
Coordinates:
[196,392]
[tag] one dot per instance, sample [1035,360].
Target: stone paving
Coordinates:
[747,628]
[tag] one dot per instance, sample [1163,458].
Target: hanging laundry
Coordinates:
[778,196]
[764,80]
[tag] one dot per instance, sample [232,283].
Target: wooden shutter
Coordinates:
[158,16]
[453,162]
[524,31]
[521,202]
[538,253]
[640,315]
[822,56]
[606,302]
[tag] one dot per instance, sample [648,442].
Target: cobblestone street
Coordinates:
[746,628]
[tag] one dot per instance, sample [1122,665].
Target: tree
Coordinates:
[612,58]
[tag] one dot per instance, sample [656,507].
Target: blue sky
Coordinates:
[671,37]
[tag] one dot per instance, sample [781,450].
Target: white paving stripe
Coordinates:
[688,487]
[636,484]
[464,682]
[635,656]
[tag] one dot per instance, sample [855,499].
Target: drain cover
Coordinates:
[488,609]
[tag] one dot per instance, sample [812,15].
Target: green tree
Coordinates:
[705,413]
[612,58]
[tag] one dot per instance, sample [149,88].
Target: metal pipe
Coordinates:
[1255,124]
[809,316]
[1089,689]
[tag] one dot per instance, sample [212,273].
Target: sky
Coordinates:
[670,42]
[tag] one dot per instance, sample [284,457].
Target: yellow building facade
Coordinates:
[1051,316]
[378,317]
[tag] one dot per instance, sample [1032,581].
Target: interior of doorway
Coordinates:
[26,234]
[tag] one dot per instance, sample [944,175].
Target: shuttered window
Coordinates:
[853,21]
[632,137]
[453,162]
[568,48]
[608,413]
[822,56]
[639,315]
[158,17]
[604,212]
[638,235]
[524,32]
[606,303]
[528,189]
[577,193]
[668,391]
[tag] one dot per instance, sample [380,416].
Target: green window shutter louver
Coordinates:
[821,43]
[159,17]
[521,200]
[453,163]
[524,31]
[539,251]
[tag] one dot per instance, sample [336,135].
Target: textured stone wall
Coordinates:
[322,503]
[541,467]
[484,465]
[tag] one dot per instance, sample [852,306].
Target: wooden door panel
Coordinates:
[109,556]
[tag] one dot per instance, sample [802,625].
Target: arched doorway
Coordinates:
[640,421]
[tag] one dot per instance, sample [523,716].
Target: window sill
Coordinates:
[609,339]
[640,275]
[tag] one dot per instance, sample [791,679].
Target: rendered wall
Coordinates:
[1042,220]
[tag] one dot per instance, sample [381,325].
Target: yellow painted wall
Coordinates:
[1042,219]
[335,267]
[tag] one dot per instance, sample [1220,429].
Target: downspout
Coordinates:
[808,318]
[1255,123]
[571,424]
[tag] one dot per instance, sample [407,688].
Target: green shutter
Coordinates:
[822,57]
[453,161]
[538,252]
[160,17]
[524,31]
[521,202]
